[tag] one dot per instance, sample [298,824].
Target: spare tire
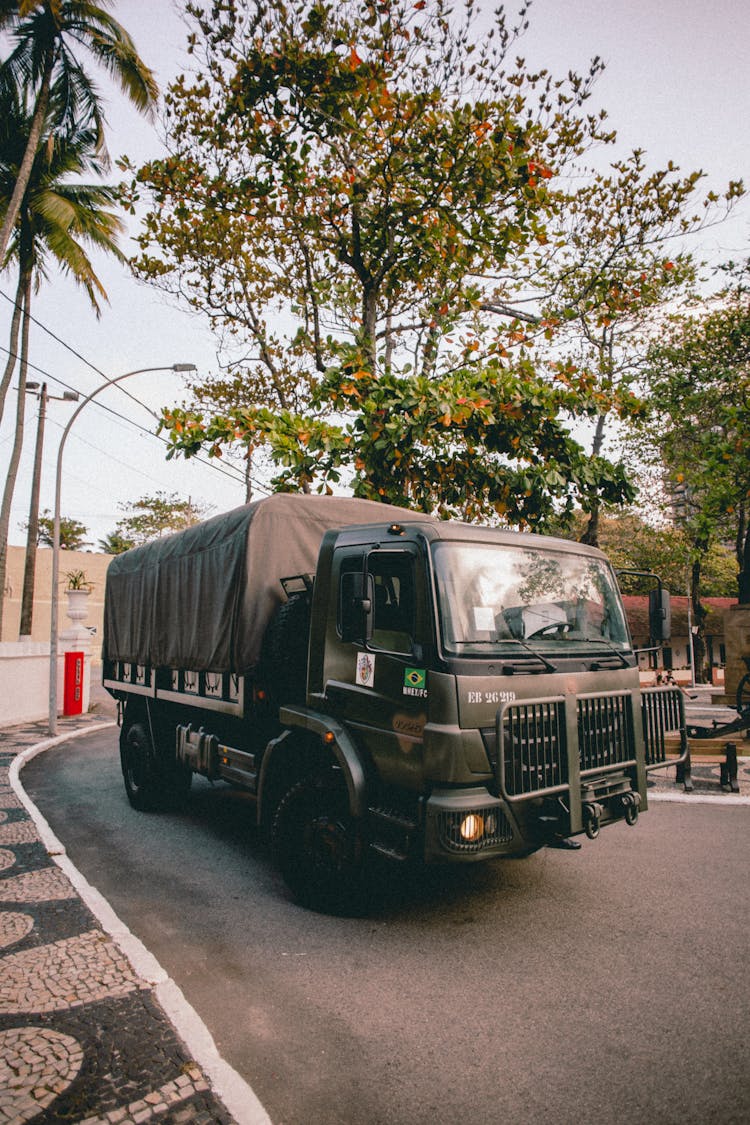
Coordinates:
[284,655]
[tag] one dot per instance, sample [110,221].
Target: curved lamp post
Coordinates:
[54,601]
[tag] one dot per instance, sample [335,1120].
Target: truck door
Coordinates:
[377,680]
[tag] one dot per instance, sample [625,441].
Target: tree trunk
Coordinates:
[591,534]
[743,557]
[10,366]
[15,456]
[32,146]
[369,327]
[248,478]
[699,614]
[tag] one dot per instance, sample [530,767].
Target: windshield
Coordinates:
[499,598]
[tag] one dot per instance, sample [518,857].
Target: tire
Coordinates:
[743,693]
[318,847]
[284,657]
[152,781]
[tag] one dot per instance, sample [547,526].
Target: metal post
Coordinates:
[27,597]
[690,629]
[54,600]
[728,770]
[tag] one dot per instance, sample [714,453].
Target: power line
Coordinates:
[106,453]
[72,350]
[211,464]
[101,405]
[233,475]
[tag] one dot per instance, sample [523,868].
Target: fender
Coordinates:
[332,736]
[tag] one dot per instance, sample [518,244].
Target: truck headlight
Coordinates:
[472,827]
[466,822]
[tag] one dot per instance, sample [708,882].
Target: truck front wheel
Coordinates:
[151,781]
[318,847]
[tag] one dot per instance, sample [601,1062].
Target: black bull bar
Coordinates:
[586,750]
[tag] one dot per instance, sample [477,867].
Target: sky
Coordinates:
[676,84]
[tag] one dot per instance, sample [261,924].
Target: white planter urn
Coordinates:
[77,608]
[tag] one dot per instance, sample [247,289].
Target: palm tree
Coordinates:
[115,543]
[15,328]
[47,35]
[55,219]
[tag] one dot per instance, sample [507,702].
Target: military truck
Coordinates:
[382,683]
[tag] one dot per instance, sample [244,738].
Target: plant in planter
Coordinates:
[77,580]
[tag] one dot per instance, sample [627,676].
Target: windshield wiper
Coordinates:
[506,662]
[624,663]
[537,655]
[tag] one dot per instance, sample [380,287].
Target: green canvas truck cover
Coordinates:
[202,599]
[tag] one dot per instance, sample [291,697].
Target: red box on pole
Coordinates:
[73,684]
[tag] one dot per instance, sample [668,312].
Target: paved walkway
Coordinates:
[711,770]
[87,1034]
[707,782]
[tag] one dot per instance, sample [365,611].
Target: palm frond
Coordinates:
[44,72]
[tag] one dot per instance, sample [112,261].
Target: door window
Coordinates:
[393,620]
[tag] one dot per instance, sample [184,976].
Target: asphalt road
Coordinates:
[606,985]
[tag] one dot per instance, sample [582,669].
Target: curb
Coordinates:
[233,1091]
[698,798]
[706,771]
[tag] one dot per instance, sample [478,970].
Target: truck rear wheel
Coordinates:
[151,780]
[318,847]
[137,759]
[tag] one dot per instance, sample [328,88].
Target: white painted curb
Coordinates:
[238,1097]
[699,798]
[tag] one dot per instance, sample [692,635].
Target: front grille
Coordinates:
[534,742]
[605,731]
[534,747]
[497,830]
[663,712]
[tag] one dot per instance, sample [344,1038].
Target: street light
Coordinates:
[54,600]
[27,597]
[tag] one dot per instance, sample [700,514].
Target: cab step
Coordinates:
[394,855]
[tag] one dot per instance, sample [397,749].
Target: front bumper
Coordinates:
[564,765]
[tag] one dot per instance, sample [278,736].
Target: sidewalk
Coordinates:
[706,773]
[711,771]
[87,1034]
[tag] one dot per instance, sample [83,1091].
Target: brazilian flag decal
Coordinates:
[415,678]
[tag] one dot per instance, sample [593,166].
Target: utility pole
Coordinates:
[27,598]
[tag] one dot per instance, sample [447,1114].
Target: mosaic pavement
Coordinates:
[82,1038]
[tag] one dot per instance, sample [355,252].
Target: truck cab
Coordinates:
[487,680]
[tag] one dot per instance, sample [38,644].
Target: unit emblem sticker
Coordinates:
[365,669]
[415,682]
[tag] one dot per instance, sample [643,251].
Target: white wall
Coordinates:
[95,567]
[24,682]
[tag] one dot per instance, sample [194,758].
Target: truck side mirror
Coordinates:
[659,615]
[355,606]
